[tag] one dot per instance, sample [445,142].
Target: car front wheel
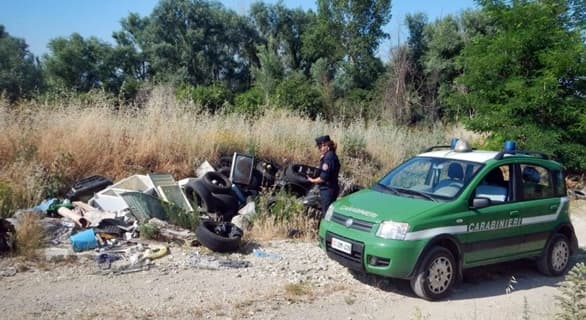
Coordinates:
[436,275]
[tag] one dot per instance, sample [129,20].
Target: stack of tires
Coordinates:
[212,193]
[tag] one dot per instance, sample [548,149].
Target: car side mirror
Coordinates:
[481,202]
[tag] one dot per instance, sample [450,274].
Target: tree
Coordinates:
[20,74]
[350,31]
[417,44]
[405,84]
[132,57]
[269,72]
[526,80]
[81,65]
[196,42]
[299,95]
[286,28]
[445,43]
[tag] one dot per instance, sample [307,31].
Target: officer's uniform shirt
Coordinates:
[329,167]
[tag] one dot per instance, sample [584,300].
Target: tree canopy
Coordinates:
[527,79]
[20,75]
[81,65]
[511,69]
[192,41]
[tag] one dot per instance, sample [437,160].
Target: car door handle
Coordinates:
[514,213]
[553,207]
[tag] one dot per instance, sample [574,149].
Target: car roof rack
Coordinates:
[501,154]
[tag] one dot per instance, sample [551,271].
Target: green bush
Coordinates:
[212,98]
[6,200]
[129,89]
[148,231]
[283,207]
[179,217]
[299,94]
[249,102]
[572,300]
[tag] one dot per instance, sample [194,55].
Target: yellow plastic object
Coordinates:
[155,253]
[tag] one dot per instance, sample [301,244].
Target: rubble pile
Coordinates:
[107,223]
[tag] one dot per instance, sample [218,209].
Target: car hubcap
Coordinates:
[440,275]
[560,255]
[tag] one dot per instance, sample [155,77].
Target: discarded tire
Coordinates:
[226,205]
[225,171]
[219,237]
[197,193]
[297,174]
[216,182]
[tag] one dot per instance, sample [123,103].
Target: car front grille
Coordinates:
[356,223]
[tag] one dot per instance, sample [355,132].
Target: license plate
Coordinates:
[341,245]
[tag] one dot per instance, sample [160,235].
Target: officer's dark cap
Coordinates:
[321,140]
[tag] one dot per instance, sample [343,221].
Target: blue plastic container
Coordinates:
[84,240]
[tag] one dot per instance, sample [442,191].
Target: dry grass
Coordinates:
[295,291]
[29,235]
[268,228]
[44,147]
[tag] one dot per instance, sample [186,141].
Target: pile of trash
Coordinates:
[106,217]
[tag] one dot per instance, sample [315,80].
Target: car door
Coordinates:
[494,229]
[541,198]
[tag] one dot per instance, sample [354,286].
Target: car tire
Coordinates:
[199,195]
[436,274]
[216,182]
[555,259]
[225,171]
[293,176]
[207,236]
[226,205]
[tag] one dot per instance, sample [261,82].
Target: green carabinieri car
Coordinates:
[452,208]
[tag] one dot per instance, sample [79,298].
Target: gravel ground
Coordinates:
[281,279]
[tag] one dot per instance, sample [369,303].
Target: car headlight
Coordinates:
[329,213]
[392,230]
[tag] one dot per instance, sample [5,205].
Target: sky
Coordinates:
[39,21]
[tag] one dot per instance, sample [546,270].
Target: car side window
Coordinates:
[495,185]
[536,182]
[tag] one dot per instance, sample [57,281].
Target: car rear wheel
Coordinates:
[555,259]
[436,275]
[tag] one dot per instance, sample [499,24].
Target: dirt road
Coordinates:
[275,280]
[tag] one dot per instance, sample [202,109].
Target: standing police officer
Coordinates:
[329,167]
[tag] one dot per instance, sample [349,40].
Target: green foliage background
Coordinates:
[509,70]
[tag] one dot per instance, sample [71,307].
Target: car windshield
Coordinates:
[429,178]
